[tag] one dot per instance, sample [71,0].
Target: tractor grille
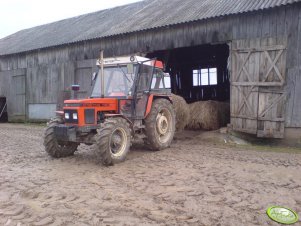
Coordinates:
[71,119]
[89,116]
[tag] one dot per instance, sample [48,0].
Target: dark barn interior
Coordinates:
[198,73]
[3,110]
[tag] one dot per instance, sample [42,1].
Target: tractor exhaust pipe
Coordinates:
[102,77]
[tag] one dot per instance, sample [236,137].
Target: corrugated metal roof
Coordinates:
[148,14]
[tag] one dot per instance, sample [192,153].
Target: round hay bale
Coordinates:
[208,115]
[182,112]
[203,115]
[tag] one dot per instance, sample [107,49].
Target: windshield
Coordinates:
[118,81]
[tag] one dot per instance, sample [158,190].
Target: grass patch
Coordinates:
[268,145]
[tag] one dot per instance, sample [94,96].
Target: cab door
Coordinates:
[144,78]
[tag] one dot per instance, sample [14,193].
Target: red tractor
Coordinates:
[131,98]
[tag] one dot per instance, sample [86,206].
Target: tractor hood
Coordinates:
[98,104]
[93,102]
[88,112]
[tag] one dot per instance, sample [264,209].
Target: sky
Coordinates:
[16,15]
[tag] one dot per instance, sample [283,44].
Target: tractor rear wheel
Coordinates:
[160,125]
[113,141]
[55,148]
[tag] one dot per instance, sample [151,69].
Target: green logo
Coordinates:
[282,215]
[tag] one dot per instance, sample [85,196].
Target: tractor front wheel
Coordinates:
[160,125]
[113,141]
[55,148]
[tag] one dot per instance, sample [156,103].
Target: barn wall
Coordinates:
[50,72]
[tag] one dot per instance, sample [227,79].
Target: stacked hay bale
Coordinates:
[208,115]
[182,112]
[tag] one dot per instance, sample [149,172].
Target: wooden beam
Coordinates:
[243,117]
[273,103]
[243,66]
[257,83]
[273,65]
[271,119]
[245,100]
[261,49]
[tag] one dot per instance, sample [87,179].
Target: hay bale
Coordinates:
[203,115]
[182,112]
[208,115]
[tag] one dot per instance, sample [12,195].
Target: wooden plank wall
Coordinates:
[83,76]
[49,71]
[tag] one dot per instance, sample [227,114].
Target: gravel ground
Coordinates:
[192,183]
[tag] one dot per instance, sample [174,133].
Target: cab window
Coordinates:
[160,80]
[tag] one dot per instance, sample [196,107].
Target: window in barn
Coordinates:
[196,78]
[205,77]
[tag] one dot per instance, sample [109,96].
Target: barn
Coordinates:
[247,52]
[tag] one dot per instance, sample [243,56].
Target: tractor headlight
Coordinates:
[67,116]
[74,116]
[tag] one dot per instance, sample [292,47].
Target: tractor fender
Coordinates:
[122,116]
[118,115]
[153,97]
[59,113]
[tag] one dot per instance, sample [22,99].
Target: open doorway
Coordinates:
[198,73]
[3,110]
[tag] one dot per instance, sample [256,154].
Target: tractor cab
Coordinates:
[130,80]
[124,76]
[118,81]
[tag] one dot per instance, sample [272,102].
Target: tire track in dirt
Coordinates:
[189,184]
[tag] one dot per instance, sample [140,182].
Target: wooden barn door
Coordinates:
[18,95]
[258,70]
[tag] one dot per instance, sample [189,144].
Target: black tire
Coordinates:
[55,148]
[160,125]
[113,141]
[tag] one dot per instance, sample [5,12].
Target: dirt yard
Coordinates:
[195,182]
